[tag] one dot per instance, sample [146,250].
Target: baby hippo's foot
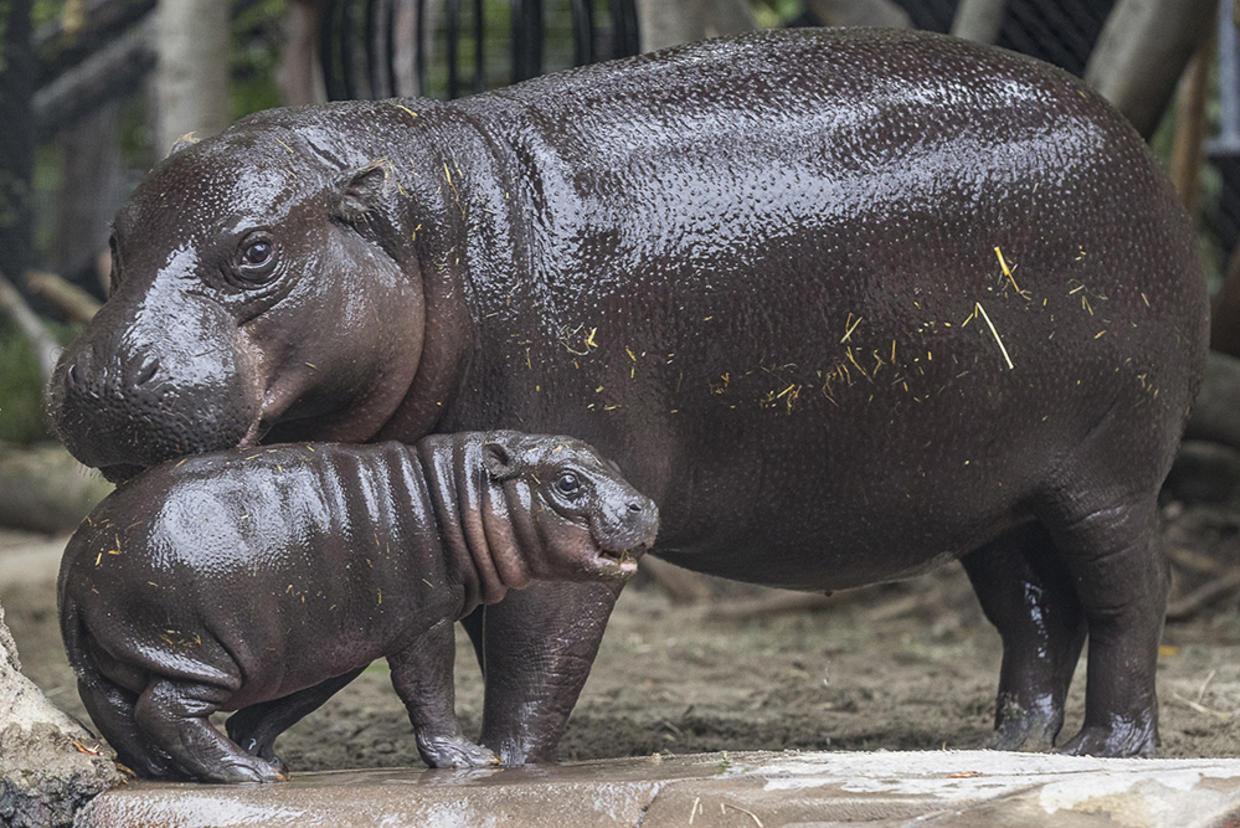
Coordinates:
[252,769]
[454,752]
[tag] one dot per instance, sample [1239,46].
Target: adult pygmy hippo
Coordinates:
[846,304]
[264,582]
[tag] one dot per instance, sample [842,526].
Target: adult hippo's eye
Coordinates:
[257,257]
[568,484]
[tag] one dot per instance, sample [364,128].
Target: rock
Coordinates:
[50,766]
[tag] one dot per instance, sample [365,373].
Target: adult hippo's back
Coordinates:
[845,303]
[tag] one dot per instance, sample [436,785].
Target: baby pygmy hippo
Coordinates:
[263,581]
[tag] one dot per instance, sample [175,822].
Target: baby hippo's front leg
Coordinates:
[423,677]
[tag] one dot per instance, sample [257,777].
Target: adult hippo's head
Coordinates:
[259,289]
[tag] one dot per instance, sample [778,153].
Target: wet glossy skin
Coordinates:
[264,582]
[762,274]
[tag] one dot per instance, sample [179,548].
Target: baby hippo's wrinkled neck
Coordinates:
[481,548]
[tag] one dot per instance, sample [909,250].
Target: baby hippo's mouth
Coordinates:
[624,561]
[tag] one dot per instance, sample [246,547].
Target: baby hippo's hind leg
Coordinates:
[175,716]
[256,727]
[1026,592]
[111,708]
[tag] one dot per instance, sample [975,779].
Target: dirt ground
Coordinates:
[900,666]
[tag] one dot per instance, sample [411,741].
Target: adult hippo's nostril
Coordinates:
[146,373]
[71,377]
[635,507]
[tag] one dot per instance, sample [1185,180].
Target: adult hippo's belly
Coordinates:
[846,304]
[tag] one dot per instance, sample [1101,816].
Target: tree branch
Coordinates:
[1141,53]
[46,348]
[979,20]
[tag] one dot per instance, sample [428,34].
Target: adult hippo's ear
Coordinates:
[364,202]
[498,461]
[186,140]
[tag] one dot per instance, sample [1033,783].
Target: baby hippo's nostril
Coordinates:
[635,507]
[71,376]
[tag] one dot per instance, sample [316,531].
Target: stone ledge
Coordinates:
[762,789]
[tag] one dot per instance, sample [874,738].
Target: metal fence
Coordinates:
[379,48]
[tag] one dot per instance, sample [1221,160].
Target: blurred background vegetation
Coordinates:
[107,82]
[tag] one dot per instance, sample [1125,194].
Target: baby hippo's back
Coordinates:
[225,558]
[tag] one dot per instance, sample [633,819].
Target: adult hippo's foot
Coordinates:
[536,647]
[256,727]
[1025,591]
[1118,737]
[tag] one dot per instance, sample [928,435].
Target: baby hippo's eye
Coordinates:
[568,484]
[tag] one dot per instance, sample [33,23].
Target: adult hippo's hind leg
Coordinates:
[1112,549]
[1026,592]
[256,727]
[538,648]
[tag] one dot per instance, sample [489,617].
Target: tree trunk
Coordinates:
[298,72]
[1142,51]
[1225,313]
[17,71]
[1190,125]
[49,765]
[90,193]
[979,20]
[666,24]
[191,77]
[405,27]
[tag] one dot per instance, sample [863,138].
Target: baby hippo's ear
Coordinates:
[498,461]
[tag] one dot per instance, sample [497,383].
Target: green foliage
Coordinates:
[257,34]
[21,390]
[45,11]
[771,14]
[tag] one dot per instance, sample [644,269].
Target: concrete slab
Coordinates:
[947,788]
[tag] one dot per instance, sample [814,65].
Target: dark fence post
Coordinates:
[17,73]
[527,36]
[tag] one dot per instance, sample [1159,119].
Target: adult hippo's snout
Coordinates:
[133,392]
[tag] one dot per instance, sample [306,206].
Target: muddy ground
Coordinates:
[901,666]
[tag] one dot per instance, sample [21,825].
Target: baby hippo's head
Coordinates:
[570,505]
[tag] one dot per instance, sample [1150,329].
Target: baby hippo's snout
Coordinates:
[626,526]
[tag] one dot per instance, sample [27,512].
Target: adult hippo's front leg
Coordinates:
[536,648]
